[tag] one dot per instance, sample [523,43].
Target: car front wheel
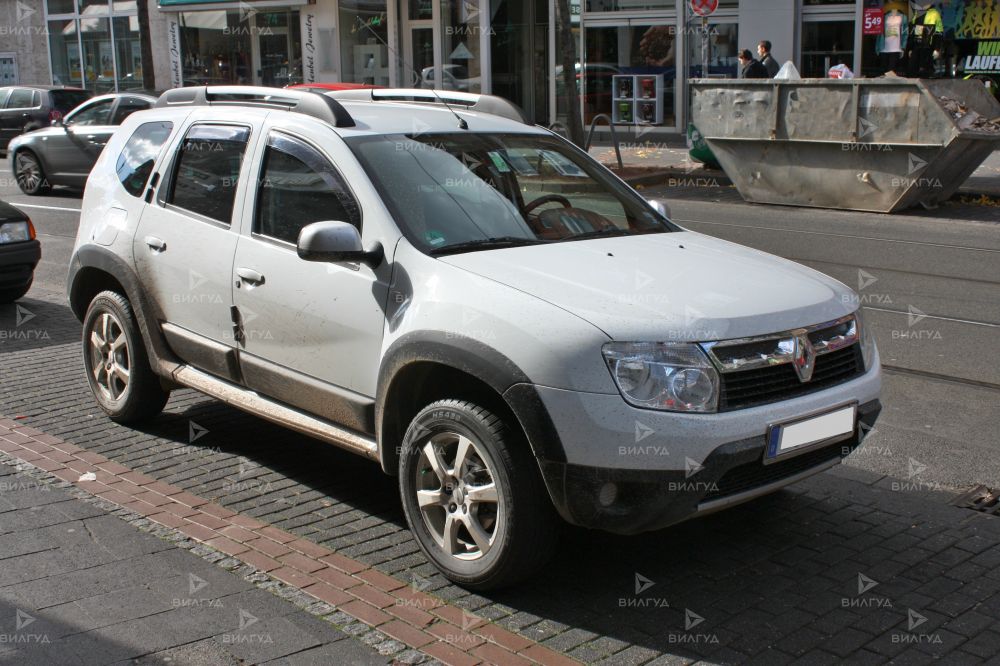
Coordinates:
[474,497]
[117,367]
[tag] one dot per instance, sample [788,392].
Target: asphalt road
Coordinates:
[929,281]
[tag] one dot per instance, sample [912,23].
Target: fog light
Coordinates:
[608,494]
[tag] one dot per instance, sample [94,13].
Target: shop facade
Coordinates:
[632,59]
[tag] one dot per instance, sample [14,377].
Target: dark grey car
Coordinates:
[64,153]
[26,108]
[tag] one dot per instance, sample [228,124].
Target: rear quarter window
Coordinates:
[138,157]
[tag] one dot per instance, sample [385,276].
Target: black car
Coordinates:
[65,152]
[26,108]
[19,253]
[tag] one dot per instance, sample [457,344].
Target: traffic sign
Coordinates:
[704,7]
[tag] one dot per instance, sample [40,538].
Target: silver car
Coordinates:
[65,152]
[427,280]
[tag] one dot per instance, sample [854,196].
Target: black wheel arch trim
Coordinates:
[475,358]
[97,258]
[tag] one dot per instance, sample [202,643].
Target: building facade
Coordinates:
[632,58]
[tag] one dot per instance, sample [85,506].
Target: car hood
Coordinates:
[672,286]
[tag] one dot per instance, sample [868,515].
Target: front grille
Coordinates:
[748,388]
[756,474]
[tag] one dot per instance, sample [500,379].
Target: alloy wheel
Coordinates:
[110,361]
[28,172]
[457,496]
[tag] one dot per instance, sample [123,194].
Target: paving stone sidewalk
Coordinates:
[80,586]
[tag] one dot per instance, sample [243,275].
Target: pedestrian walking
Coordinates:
[750,68]
[766,59]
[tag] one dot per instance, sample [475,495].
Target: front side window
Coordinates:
[138,157]
[20,98]
[98,113]
[457,192]
[299,186]
[208,170]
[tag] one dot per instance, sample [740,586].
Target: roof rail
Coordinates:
[497,106]
[300,101]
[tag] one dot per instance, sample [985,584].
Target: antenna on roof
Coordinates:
[461,121]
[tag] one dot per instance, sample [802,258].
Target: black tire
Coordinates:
[11,295]
[29,173]
[525,526]
[140,396]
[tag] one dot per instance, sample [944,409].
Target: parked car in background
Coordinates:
[26,108]
[19,253]
[64,153]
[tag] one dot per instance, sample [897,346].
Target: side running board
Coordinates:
[274,411]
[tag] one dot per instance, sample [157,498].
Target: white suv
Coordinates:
[429,281]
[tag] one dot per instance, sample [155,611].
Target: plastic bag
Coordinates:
[841,72]
[788,72]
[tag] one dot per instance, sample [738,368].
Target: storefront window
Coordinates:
[568,58]
[214,48]
[825,44]
[364,39]
[648,50]
[460,53]
[628,5]
[722,45]
[67,69]
[520,55]
[98,56]
[92,50]
[128,53]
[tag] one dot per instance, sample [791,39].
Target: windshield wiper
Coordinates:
[487,244]
[607,231]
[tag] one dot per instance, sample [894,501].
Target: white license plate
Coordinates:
[786,437]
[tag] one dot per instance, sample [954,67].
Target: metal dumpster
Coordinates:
[862,144]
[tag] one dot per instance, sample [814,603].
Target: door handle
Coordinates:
[250,275]
[155,244]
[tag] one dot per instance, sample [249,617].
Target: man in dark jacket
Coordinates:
[749,67]
[766,59]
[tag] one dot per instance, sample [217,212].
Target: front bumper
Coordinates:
[17,263]
[629,501]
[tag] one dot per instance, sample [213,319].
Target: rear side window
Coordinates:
[67,100]
[20,98]
[4,93]
[207,171]
[138,157]
[299,186]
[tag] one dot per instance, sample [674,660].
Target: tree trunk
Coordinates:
[567,58]
[145,46]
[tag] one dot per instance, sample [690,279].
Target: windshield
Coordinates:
[463,191]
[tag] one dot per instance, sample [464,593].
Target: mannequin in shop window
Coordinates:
[891,44]
[925,41]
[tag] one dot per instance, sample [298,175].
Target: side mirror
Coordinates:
[659,207]
[335,242]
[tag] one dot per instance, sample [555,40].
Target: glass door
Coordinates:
[418,45]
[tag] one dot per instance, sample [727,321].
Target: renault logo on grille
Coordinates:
[803,356]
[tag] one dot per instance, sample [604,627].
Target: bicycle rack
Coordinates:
[614,137]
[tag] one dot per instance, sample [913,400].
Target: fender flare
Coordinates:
[510,382]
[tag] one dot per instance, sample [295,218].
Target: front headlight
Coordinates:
[867,341]
[15,232]
[666,376]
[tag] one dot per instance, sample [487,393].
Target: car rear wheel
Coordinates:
[29,174]
[117,366]
[474,497]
